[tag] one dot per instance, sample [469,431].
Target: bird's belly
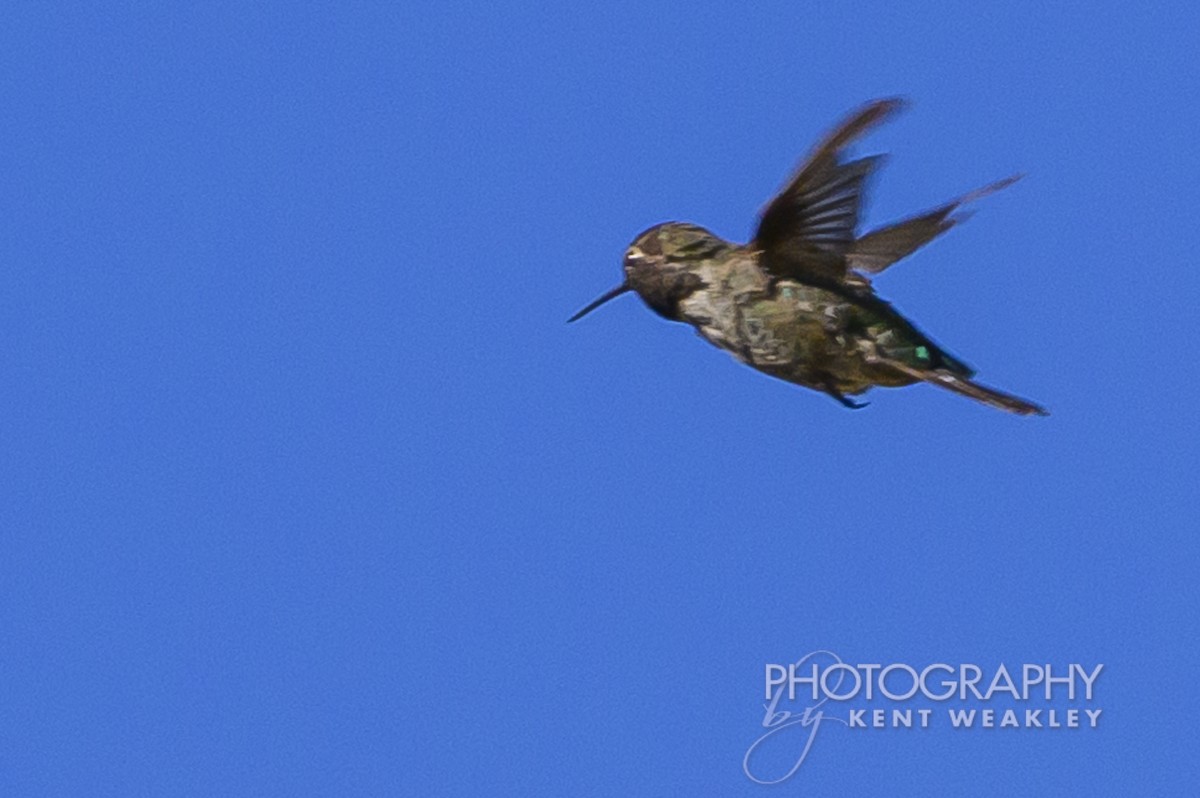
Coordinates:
[800,334]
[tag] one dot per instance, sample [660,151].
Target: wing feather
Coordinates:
[880,248]
[808,229]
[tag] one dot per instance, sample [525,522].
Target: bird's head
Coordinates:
[662,267]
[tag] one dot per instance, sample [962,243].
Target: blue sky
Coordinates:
[308,489]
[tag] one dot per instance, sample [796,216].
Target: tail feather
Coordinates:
[982,393]
[965,386]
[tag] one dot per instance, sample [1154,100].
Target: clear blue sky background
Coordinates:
[306,487]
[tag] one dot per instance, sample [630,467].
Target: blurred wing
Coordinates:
[879,249]
[808,229]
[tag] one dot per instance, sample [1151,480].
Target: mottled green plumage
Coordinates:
[793,303]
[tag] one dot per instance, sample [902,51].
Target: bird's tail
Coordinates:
[965,386]
[982,393]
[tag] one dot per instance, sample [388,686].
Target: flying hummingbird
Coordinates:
[795,302]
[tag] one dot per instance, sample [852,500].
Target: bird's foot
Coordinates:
[842,399]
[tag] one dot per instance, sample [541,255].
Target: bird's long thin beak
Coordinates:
[616,292]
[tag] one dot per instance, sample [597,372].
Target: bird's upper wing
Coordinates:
[806,232]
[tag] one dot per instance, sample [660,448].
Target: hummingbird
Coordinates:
[797,301]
